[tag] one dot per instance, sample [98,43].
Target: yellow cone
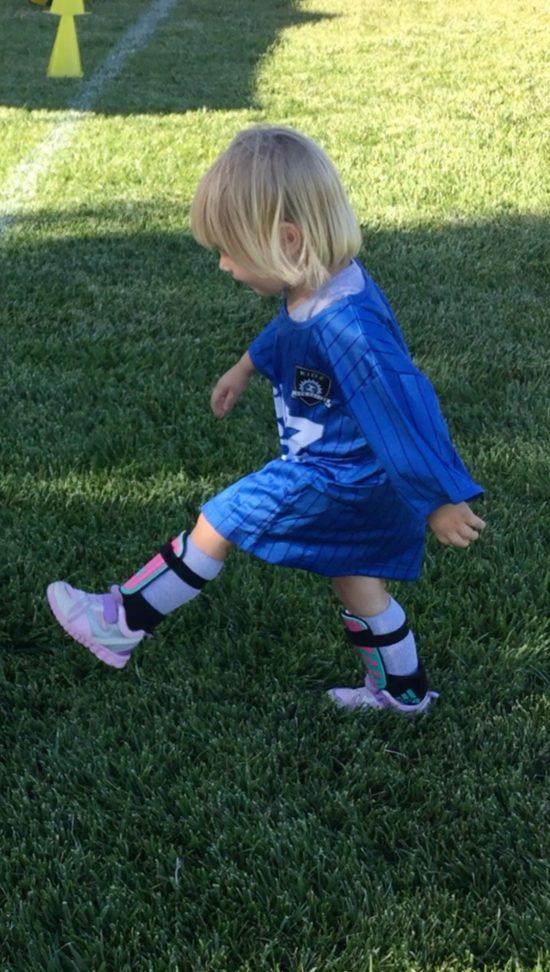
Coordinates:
[65,57]
[73,7]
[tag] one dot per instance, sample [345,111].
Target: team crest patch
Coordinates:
[311,387]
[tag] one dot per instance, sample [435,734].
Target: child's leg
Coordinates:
[111,625]
[377,626]
[174,576]
[362,595]
[366,599]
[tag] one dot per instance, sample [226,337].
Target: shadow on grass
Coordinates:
[119,328]
[203,55]
[115,329]
[114,286]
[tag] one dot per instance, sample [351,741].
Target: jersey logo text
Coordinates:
[311,387]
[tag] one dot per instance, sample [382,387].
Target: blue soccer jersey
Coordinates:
[366,455]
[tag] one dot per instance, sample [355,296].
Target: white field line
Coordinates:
[22,184]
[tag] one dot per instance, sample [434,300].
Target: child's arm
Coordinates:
[455,524]
[231,386]
[396,408]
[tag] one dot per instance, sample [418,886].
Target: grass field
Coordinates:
[206,810]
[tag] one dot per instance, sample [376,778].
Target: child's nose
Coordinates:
[224,263]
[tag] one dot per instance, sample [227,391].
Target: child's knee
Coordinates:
[361,595]
[207,539]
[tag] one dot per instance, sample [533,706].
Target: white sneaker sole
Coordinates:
[362,698]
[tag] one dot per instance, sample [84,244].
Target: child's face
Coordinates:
[265,286]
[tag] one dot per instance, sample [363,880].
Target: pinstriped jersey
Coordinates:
[350,401]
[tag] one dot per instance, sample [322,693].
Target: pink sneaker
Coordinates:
[406,694]
[97,621]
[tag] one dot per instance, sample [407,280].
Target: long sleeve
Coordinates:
[398,412]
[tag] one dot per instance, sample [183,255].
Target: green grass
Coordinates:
[206,810]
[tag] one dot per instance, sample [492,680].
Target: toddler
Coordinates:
[366,458]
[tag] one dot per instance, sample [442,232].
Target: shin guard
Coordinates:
[168,580]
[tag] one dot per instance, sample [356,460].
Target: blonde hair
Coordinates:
[268,176]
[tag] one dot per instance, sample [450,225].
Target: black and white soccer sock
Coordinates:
[384,641]
[174,576]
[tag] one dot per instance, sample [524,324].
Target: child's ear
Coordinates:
[291,236]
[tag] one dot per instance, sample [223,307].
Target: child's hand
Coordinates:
[226,392]
[231,386]
[455,524]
